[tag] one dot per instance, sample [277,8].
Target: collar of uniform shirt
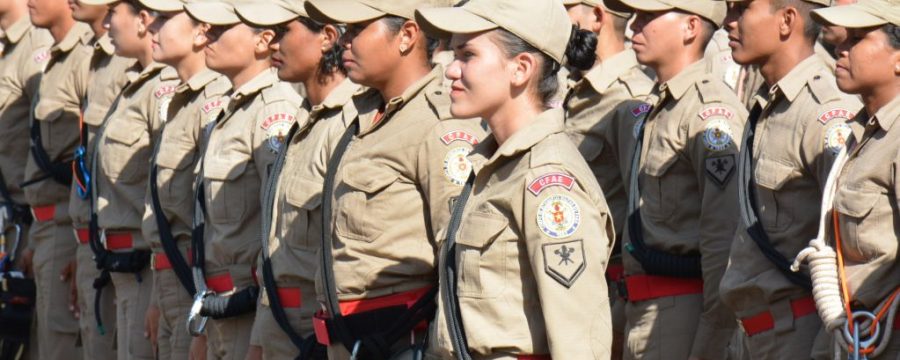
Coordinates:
[198,81]
[796,79]
[545,124]
[80,33]
[18,30]
[336,99]
[679,84]
[262,80]
[888,114]
[412,91]
[104,43]
[602,76]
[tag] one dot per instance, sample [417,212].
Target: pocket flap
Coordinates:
[855,203]
[772,174]
[48,109]
[125,131]
[305,194]
[659,159]
[225,168]
[175,155]
[369,178]
[479,230]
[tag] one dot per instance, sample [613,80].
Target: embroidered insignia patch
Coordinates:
[459,135]
[212,105]
[716,111]
[717,136]
[836,113]
[457,166]
[836,137]
[548,180]
[41,56]
[720,168]
[164,108]
[163,91]
[277,118]
[277,127]
[564,262]
[640,110]
[558,216]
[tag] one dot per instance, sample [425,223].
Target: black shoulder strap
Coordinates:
[61,171]
[448,275]
[750,211]
[169,243]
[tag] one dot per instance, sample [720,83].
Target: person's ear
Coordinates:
[409,35]
[263,41]
[199,34]
[144,23]
[790,19]
[600,16]
[330,36]
[523,67]
[692,28]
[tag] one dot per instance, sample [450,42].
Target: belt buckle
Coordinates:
[196,308]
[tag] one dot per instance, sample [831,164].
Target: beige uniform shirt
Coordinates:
[243,144]
[867,201]
[124,144]
[394,188]
[64,84]
[296,214]
[687,191]
[719,61]
[192,106]
[531,251]
[602,110]
[23,57]
[107,78]
[802,127]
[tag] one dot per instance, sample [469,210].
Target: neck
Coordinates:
[318,89]
[404,75]
[511,117]
[145,58]
[608,45]
[61,28]
[97,26]
[9,18]
[675,64]
[779,64]
[190,65]
[247,73]
[881,96]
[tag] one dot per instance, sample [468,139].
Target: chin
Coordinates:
[463,111]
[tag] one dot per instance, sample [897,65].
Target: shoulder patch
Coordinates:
[277,118]
[564,262]
[836,113]
[549,180]
[212,105]
[164,108]
[457,165]
[459,135]
[558,216]
[41,55]
[716,111]
[277,128]
[720,168]
[718,135]
[836,137]
[163,91]
[641,109]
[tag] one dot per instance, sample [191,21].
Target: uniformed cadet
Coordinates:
[106,79]
[719,60]
[48,172]
[682,208]
[522,269]
[307,52]
[833,35]
[390,184]
[796,128]
[860,215]
[178,41]
[19,80]
[602,110]
[242,145]
[119,165]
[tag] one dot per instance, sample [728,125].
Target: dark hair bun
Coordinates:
[581,51]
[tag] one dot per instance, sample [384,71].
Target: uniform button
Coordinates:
[706,81]
[817,77]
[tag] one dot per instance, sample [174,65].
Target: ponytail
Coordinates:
[581,50]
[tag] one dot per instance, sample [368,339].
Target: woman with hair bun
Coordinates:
[522,267]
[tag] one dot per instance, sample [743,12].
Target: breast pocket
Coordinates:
[659,197]
[770,178]
[862,222]
[482,255]
[173,161]
[365,200]
[227,200]
[125,156]
[303,198]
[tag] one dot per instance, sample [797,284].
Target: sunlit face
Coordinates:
[481,75]
[174,36]
[44,13]
[866,62]
[231,48]
[298,53]
[87,13]
[124,23]
[753,35]
[370,52]
[833,34]
[657,35]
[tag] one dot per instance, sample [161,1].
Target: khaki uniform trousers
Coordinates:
[132,300]
[94,345]
[173,339]
[662,328]
[229,339]
[54,248]
[275,343]
[790,339]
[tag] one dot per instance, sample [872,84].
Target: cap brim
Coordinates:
[97,2]
[640,5]
[341,11]
[848,16]
[164,5]
[264,13]
[213,13]
[454,20]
